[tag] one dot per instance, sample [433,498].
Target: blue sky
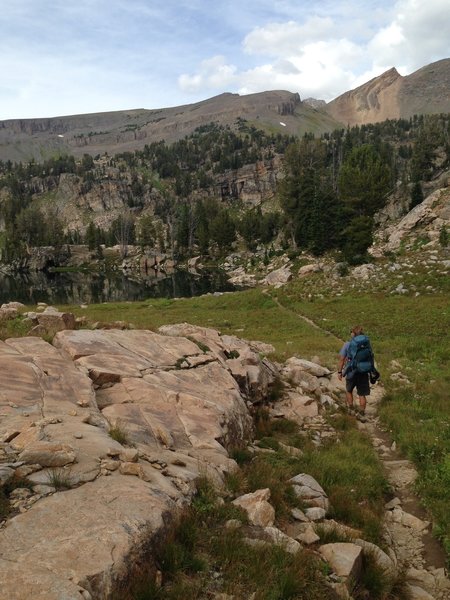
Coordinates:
[61,57]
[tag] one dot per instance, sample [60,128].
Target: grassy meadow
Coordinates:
[409,336]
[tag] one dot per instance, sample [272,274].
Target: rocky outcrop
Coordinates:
[424,220]
[371,102]
[391,96]
[111,428]
[251,183]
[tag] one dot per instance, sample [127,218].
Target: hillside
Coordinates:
[219,189]
[120,131]
[391,96]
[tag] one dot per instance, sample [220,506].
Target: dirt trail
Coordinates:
[408,528]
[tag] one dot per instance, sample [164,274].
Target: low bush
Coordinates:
[119,433]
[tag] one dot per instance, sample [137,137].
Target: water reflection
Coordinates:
[92,288]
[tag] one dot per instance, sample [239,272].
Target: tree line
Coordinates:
[332,186]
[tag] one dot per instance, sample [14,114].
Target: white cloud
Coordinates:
[417,35]
[279,39]
[95,55]
[324,56]
[318,70]
[213,73]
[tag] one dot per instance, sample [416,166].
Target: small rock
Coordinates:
[233,524]
[315,513]
[418,593]
[299,515]
[129,455]
[20,494]
[392,503]
[309,536]
[345,559]
[257,507]
[281,539]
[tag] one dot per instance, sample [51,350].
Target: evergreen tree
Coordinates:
[364,181]
[202,235]
[223,231]
[182,229]
[443,237]
[147,233]
[92,236]
[356,239]
[249,227]
[416,195]
[307,196]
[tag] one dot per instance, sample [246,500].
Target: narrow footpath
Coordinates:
[407,525]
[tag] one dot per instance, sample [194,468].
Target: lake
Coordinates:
[93,288]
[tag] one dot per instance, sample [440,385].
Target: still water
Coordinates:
[92,288]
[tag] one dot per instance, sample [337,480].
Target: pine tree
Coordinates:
[416,195]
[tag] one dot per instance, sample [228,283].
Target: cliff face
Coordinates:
[391,96]
[374,101]
[105,199]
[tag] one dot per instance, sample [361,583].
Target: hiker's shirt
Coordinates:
[344,352]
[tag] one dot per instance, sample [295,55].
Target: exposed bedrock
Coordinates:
[180,401]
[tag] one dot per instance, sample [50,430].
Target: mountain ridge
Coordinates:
[387,96]
[393,96]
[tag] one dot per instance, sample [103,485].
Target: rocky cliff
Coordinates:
[391,96]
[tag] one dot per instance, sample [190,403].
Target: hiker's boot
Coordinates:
[361,415]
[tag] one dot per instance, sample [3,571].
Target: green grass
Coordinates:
[249,314]
[200,555]
[11,328]
[407,329]
[412,332]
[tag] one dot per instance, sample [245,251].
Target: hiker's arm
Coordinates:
[341,366]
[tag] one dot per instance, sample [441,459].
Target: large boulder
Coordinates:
[345,559]
[309,491]
[124,422]
[279,277]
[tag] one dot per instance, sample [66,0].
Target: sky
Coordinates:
[64,57]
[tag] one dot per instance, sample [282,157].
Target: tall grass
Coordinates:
[408,335]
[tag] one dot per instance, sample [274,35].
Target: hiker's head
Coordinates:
[356,330]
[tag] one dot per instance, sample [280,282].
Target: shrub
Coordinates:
[119,433]
[263,423]
[60,479]
[241,455]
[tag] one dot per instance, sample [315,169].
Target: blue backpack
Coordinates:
[360,355]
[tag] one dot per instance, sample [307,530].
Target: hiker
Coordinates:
[355,363]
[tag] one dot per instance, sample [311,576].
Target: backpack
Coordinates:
[360,355]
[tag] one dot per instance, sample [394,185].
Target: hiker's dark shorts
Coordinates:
[360,381]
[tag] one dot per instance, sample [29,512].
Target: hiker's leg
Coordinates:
[362,402]
[349,399]
[363,390]
[349,387]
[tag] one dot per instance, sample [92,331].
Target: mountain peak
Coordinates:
[392,96]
